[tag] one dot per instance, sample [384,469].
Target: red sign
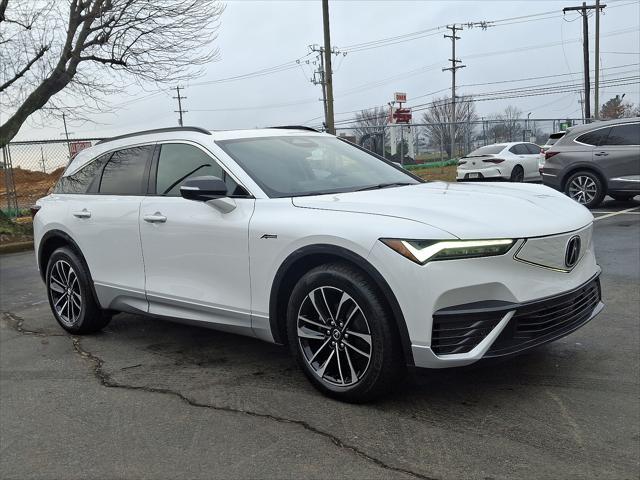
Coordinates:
[76,147]
[402,115]
[400,97]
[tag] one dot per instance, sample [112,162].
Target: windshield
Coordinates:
[488,150]
[308,165]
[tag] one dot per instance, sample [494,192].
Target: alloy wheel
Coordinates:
[66,296]
[583,189]
[334,336]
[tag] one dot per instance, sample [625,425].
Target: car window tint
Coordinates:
[624,135]
[519,149]
[124,174]
[487,150]
[595,137]
[532,148]
[79,182]
[178,162]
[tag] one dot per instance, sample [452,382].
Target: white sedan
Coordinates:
[516,162]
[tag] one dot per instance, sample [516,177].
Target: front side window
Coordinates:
[291,166]
[624,135]
[125,172]
[595,138]
[79,182]
[178,162]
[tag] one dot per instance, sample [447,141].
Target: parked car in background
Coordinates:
[594,160]
[553,138]
[516,162]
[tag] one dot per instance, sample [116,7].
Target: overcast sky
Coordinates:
[255,35]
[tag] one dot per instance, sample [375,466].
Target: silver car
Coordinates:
[594,160]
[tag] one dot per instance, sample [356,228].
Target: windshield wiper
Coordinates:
[385,185]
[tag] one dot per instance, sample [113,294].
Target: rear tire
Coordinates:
[71,296]
[342,334]
[517,174]
[622,197]
[586,188]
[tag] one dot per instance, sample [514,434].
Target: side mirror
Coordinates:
[203,188]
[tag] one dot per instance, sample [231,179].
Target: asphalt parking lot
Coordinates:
[153,399]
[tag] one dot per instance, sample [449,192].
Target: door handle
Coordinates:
[155,218]
[601,154]
[84,213]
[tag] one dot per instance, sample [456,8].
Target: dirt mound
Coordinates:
[30,185]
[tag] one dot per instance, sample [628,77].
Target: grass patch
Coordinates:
[445,173]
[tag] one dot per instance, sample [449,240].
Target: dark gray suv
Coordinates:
[594,160]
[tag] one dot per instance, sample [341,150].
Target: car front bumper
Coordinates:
[460,311]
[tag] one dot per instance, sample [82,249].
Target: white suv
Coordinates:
[300,238]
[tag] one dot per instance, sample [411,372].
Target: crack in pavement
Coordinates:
[106,380]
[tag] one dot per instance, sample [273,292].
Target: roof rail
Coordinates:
[297,127]
[157,130]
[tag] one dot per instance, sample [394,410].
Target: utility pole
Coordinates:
[584,9]
[320,76]
[320,79]
[597,73]
[180,111]
[454,66]
[66,132]
[328,74]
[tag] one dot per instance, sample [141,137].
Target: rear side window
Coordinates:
[178,162]
[79,182]
[519,149]
[532,148]
[624,135]
[124,174]
[595,137]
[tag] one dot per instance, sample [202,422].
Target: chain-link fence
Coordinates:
[29,169]
[424,143]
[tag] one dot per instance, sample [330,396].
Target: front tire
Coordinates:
[70,295]
[341,333]
[586,188]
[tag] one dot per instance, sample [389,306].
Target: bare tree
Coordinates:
[93,48]
[438,118]
[506,126]
[371,128]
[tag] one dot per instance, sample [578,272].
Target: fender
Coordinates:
[359,262]
[74,246]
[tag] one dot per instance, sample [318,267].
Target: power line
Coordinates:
[529,91]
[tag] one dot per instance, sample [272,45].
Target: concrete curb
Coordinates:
[16,247]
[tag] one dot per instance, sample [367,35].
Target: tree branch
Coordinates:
[39,54]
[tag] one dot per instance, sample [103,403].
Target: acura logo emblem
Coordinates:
[573,251]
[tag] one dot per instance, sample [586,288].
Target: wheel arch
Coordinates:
[301,261]
[589,167]
[49,243]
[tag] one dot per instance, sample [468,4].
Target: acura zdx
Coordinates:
[303,239]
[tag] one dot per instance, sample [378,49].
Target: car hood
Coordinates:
[466,210]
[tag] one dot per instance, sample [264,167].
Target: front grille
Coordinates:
[545,320]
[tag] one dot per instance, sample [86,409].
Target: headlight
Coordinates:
[423,251]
